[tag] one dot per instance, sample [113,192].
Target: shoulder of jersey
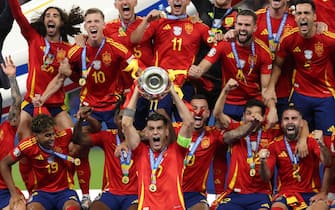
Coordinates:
[261,11]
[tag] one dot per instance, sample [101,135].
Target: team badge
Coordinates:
[106,58]
[318,49]
[189,28]
[96,64]
[61,53]
[177,30]
[205,143]
[17,152]
[229,21]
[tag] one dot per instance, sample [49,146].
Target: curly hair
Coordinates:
[70,21]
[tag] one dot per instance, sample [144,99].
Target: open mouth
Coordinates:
[197,118]
[156,139]
[290,128]
[126,8]
[94,31]
[51,25]
[177,5]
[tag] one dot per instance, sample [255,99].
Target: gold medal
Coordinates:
[152,188]
[76,162]
[252,172]
[82,81]
[125,179]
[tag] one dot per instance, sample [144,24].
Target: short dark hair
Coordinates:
[248,12]
[292,107]
[41,123]
[155,116]
[94,11]
[255,102]
[311,2]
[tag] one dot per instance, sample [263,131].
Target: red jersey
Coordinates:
[330,142]
[196,171]
[104,68]
[284,85]
[169,178]
[249,82]
[308,167]
[176,44]
[44,59]
[7,138]
[113,173]
[239,178]
[121,34]
[51,174]
[325,10]
[142,51]
[314,67]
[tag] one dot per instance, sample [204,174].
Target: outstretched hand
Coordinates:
[8,67]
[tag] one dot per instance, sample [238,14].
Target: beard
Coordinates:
[292,136]
[246,40]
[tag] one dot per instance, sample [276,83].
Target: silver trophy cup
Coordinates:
[153,83]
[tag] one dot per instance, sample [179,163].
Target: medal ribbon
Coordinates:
[194,147]
[216,26]
[125,159]
[84,70]
[57,154]
[240,74]
[154,163]
[275,39]
[124,26]
[293,157]
[46,51]
[250,158]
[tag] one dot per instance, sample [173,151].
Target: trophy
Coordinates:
[153,83]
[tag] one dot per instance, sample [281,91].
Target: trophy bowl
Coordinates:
[153,83]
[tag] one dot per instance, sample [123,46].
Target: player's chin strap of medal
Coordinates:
[85,71]
[125,160]
[294,160]
[250,158]
[194,147]
[154,164]
[75,161]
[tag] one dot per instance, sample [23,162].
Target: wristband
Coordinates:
[129,112]
[183,141]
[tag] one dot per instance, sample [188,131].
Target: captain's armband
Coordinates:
[183,141]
